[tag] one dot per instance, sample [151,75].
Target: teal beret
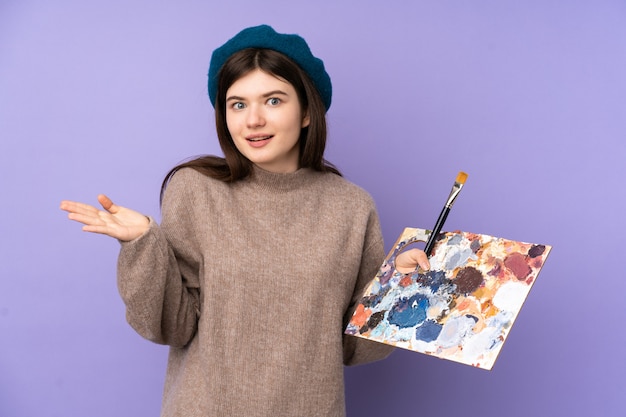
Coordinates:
[293,46]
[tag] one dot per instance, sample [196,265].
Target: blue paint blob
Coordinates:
[433,279]
[455,239]
[409,312]
[428,331]
[375,299]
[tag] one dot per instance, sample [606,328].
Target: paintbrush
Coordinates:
[456,189]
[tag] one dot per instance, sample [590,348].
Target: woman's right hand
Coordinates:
[115,221]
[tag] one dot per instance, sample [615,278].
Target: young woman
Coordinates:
[261,255]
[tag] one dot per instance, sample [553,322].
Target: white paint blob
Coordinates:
[511,296]
[477,345]
[455,330]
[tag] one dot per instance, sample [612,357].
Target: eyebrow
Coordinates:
[266,95]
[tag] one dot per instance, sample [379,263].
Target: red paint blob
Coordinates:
[516,263]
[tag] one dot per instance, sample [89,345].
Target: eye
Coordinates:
[274,101]
[238,105]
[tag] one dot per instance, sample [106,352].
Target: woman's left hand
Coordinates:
[408,261]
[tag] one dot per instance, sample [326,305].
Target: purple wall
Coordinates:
[527,97]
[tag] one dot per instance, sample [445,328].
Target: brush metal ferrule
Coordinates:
[456,189]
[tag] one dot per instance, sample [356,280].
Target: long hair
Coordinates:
[234,166]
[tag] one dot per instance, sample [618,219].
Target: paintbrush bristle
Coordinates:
[461,177]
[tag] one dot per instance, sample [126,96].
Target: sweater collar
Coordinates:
[272,181]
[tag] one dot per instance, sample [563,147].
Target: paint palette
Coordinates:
[462,309]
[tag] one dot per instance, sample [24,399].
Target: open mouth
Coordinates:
[260,139]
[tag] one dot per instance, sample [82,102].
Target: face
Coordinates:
[264,118]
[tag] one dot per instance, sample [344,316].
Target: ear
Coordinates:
[306,120]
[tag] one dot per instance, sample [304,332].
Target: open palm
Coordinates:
[115,221]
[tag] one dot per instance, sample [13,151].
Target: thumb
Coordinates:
[107,204]
[408,260]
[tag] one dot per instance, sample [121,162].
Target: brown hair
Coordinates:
[234,166]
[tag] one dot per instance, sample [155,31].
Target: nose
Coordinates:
[255,117]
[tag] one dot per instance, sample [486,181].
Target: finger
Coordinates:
[418,257]
[409,260]
[103,230]
[86,218]
[107,203]
[76,207]
[422,260]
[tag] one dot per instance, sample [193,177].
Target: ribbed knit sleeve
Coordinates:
[158,273]
[356,350]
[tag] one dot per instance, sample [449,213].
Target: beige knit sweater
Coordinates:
[252,284]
